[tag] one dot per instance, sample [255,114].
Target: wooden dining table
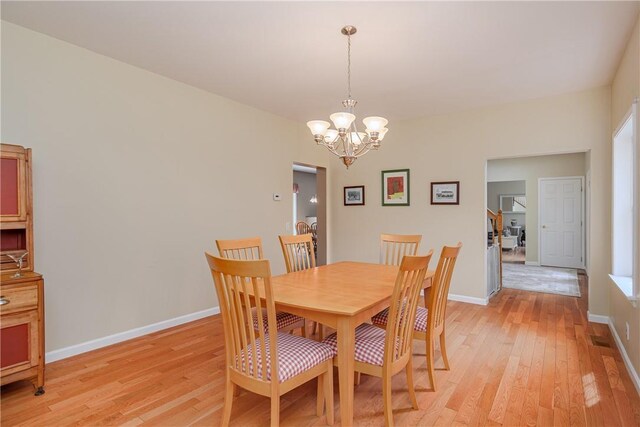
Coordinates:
[342,296]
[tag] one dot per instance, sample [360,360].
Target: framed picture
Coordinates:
[445,193]
[354,196]
[395,187]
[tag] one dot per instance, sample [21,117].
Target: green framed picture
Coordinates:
[395,187]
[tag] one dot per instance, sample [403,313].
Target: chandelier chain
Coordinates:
[349,64]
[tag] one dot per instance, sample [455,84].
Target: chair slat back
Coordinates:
[302,228]
[234,281]
[241,249]
[440,287]
[395,246]
[298,252]
[404,303]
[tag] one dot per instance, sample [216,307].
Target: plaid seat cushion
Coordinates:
[282,320]
[369,344]
[382,318]
[295,355]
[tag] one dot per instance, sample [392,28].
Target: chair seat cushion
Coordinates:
[283,320]
[295,355]
[382,318]
[369,344]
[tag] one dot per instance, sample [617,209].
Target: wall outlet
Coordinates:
[627,331]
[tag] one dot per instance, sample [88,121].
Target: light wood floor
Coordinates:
[525,359]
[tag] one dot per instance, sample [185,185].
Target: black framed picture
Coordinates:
[354,196]
[445,193]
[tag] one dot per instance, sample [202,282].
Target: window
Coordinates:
[623,199]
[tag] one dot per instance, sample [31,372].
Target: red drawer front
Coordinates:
[9,187]
[14,345]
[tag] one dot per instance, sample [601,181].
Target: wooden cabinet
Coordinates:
[22,329]
[16,211]
[21,297]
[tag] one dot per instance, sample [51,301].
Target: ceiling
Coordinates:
[409,59]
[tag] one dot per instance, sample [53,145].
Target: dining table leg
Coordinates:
[346,368]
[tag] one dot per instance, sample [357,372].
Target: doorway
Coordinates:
[309,208]
[542,220]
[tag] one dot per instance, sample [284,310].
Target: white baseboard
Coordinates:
[534,263]
[464,298]
[632,372]
[84,347]
[596,318]
[470,300]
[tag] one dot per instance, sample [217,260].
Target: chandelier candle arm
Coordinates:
[345,141]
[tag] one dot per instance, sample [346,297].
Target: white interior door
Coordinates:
[560,222]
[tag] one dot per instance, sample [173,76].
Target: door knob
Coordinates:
[544,226]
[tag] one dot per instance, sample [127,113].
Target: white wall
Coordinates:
[135,176]
[626,87]
[530,169]
[456,147]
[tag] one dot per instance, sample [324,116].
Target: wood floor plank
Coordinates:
[576,393]
[619,394]
[524,359]
[531,405]
[516,399]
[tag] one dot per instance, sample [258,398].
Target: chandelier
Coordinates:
[345,141]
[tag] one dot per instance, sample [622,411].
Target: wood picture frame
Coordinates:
[445,193]
[395,187]
[354,195]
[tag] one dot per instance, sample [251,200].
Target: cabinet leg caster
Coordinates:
[39,391]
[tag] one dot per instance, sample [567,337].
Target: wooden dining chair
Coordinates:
[265,362]
[241,249]
[430,321]
[302,228]
[251,249]
[394,246]
[384,353]
[299,254]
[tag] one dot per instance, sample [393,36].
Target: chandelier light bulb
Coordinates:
[357,138]
[330,136]
[374,124]
[318,127]
[342,120]
[381,134]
